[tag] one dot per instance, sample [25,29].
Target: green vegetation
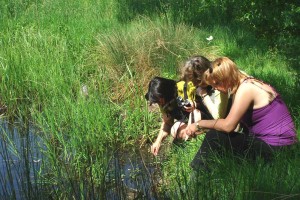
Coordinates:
[50,50]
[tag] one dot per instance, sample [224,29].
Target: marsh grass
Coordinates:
[143,49]
[51,49]
[233,177]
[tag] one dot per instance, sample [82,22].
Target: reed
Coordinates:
[144,48]
[21,163]
[231,177]
[79,69]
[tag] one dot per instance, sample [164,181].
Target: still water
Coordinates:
[20,160]
[132,174]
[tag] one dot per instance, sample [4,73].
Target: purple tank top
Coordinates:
[272,123]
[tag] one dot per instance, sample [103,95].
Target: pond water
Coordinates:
[138,175]
[20,160]
[133,174]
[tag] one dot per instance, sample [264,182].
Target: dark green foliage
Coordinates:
[129,9]
[277,22]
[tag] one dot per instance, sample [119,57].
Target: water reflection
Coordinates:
[20,161]
[133,175]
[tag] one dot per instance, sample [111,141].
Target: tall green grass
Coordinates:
[231,177]
[51,49]
[142,49]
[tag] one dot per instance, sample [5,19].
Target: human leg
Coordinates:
[179,126]
[176,130]
[216,142]
[194,116]
[258,148]
[243,144]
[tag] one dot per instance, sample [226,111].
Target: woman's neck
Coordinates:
[242,78]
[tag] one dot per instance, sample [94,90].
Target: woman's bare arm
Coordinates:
[163,133]
[244,98]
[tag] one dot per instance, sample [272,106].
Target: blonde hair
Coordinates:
[224,71]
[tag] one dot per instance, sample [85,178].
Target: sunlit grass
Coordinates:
[51,49]
[231,177]
[144,48]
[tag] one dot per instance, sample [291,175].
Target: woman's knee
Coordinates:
[195,115]
[177,128]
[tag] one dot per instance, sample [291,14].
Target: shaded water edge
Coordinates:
[20,161]
[132,173]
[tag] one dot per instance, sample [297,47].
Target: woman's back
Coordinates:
[271,122]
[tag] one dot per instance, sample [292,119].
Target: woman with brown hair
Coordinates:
[202,101]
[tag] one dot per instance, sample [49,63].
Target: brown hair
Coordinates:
[224,71]
[194,68]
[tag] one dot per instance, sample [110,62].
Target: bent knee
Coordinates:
[177,128]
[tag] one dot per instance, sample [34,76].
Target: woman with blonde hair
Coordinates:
[257,105]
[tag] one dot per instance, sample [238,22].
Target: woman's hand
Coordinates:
[155,148]
[190,130]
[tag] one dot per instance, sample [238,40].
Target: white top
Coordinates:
[216,104]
